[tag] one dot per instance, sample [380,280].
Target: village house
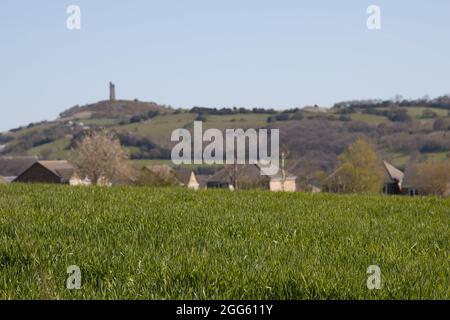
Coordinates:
[190,179]
[248,176]
[392,180]
[47,172]
[282,182]
[166,175]
[75,180]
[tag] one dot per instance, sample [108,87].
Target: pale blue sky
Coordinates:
[218,53]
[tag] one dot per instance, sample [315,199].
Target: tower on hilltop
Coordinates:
[112,92]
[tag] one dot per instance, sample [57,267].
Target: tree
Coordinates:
[360,169]
[100,156]
[440,124]
[399,115]
[434,177]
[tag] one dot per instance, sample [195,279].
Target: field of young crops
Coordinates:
[139,243]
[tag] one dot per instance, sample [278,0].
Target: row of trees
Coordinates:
[361,171]
[442,102]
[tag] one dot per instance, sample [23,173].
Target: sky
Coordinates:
[218,53]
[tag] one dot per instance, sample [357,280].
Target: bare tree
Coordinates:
[100,156]
[434,177]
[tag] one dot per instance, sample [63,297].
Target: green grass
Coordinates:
[400,160]
[162,125]
[236,121]
[100,122]
[53,150]
[369,118]
[416,112]
[139,163]
[133,243]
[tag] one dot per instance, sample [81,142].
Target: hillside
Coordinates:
[111,109]
[143,243]
[313,137]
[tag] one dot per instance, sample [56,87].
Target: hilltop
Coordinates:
[313,137]
[111,109]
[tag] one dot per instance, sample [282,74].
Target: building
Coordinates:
[75,180]
[188,178]
[47,172]
[11,167]
[283,182]
[241,176]
[165,175]
[248,176]
[392,180]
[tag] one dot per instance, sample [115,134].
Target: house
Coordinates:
[166,175]
[248,176]
[12,166]
[75,180]
[283,182]
[187,178]
[47,172]
[243,176]
[392,180]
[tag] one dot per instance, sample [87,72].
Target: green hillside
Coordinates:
[312,135]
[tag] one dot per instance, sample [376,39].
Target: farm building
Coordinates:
[393,179]
[189,179]
[47,172]
[282,182]
[166,175]
[248,176]
[11,167]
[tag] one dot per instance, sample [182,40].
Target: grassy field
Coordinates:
[369,118]
[143,243]
[53,150]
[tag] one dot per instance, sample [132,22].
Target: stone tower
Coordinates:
[112,92]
